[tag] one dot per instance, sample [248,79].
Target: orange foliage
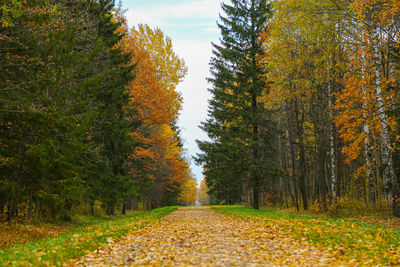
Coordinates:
[155,102]
[357,106]
[383,12]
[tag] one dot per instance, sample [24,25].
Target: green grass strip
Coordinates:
[58,250]
[366,244]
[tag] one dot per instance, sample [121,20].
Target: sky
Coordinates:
[192,26]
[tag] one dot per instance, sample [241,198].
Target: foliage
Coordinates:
[237,123]
[188,190]
[46,125]
[203,196]
[329,72]
[74,125]
[9,10]
[157,163]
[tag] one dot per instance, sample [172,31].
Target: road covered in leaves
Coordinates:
[199,236]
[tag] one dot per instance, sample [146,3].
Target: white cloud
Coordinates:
[214,30]
[162,14]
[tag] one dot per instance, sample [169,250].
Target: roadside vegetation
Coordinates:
[76,239]
[350,240]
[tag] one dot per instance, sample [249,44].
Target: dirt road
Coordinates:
[198,236]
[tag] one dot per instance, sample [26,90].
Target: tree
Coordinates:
[203,198]
[65,86]
[298,45]
[157,161]
[378,23]
[331,73]
[76,127]
[237,121]
[188,191]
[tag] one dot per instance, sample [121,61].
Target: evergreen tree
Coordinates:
[64,132]
[111,126]
[237,125]
[43,105]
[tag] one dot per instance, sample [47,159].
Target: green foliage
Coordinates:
[9,10]
[67,119]
[238,123]
[64,134]
[111,128]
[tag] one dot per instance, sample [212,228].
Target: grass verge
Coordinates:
[351,241]
[78,242]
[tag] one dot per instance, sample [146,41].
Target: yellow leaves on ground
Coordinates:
[350,242]
[56,251]
[17,233]
[198,236]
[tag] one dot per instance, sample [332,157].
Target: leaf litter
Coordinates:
[199,236]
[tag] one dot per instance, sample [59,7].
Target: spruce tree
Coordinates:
[111,126]
[237,122]
[63,128]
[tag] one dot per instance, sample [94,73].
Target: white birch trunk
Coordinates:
[332,139]
[368,162]
[395,181]
[367,146]
[387,157]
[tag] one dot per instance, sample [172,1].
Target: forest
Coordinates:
[88,112]
[301,152]
[305,106]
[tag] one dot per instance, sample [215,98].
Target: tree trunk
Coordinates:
[256,177]
[290,168]
[124,209]
[370,178]
[303,163]
[294,179]
[332,142]
[135,203]
[387,156]
[302,179]
[320,162]
[91,204]
[112,210]
[280,164]
[367,147]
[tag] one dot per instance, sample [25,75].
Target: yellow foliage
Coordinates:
[204,198]
[188,192]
